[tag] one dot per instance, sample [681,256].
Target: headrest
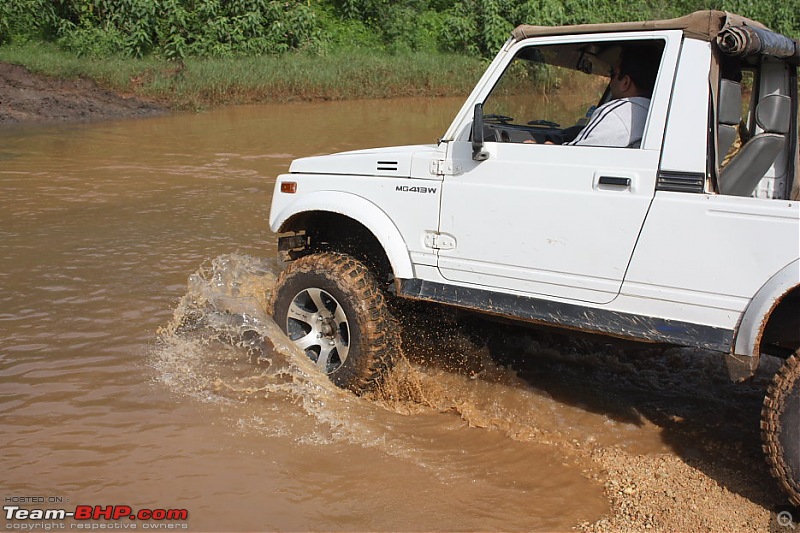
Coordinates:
[730,102]
[774,113]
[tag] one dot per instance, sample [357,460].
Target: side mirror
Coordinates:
[478,153]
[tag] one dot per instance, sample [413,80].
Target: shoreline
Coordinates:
[27,97]
[39,82]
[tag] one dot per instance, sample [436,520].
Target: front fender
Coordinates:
[751,326]
[359,209]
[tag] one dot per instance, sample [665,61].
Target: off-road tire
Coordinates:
[374,334]
[780,427]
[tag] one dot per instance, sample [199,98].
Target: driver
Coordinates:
[620,121]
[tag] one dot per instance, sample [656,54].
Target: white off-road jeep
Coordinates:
[690,237]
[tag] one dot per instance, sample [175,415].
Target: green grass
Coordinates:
[208,82]
[115,73]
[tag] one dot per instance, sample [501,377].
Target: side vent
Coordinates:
[387,165]
[693,182]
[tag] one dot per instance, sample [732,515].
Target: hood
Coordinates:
[396,161]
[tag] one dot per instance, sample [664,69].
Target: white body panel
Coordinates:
[524,221]
[760,306]
[685,143]
[533,226]
[396,161]
[399,211]
[549,226]
[712,252]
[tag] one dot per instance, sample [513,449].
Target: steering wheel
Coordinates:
[548,123]
[502,119]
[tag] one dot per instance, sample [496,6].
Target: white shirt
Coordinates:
[618,123]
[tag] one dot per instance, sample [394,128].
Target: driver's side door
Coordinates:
[540,219]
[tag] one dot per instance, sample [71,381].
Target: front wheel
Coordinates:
[331,307]
[780,427]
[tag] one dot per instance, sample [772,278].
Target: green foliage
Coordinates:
[24,20]
[461,31]
[202,82]
[406,30]
[367,10]
[178,29]
[346,35]
[782,17]
[170,28]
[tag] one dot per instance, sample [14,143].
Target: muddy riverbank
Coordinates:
[29,97]
[696,463]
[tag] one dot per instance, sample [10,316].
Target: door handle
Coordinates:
[613,180]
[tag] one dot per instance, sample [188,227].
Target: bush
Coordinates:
[26,20]
[176,29]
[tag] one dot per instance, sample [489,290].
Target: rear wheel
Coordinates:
[780,427]
[331,307]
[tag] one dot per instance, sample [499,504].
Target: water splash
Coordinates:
[222,346]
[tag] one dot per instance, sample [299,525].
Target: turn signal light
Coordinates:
[289,187]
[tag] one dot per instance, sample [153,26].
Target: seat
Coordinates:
[729,113]
[742,174]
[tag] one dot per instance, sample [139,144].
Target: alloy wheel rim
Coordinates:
[318,325]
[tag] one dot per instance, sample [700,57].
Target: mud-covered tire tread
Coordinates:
[378,328]
[785,380]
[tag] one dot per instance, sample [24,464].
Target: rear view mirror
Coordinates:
[478,153]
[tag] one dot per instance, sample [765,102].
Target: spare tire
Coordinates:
[780,427]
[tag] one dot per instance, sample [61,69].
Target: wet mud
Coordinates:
[27,97]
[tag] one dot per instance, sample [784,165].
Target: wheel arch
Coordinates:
[350,224]
[770,321]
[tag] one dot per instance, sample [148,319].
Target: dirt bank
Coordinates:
[708,473]
[29,97]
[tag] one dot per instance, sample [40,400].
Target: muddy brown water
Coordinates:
[122,382]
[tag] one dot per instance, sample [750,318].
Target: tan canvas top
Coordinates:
[704,25]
